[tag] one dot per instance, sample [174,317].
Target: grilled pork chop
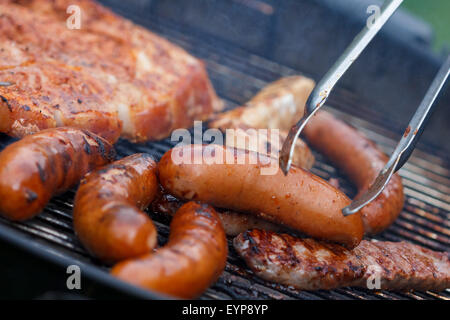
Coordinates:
[110,77]
[308,264]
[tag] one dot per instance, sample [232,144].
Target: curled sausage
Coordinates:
[300,200]
[282,103]
[191,261]
[107,212]
[361,161]
[51,161]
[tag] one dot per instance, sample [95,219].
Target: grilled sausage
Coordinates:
[300,200]
[307,264]
[361,160]
[107,212]
[282,103]
[35,168]
[192,260]
[276,106]
[233,222]
[268,142]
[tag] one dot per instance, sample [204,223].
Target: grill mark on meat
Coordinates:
[308,264]
[30,195]
[101,146]
[42,173]
[67,163]
[6,102]
[87,147]
[291,258]
[202,212]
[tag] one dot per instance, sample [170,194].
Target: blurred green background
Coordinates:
[437,14]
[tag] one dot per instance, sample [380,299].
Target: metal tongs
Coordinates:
[321,92]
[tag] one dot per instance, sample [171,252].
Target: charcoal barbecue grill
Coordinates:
[237,73]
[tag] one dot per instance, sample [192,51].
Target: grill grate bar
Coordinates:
[29,229]
[412,219]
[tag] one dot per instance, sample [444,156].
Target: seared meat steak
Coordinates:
[110,76]
[308,264]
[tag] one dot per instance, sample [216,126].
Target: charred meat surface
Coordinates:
[308,264]
[249,182]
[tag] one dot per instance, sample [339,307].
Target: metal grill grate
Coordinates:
[237,75]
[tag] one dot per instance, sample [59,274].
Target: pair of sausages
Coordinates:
[300,200]
[281,103]
[109,222]
[361,161]
[49,162]
[189,263]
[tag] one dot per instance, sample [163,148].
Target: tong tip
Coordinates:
[287,150]
[374,190]
[284,165]
[349,210]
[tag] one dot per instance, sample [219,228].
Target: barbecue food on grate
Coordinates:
[307,264]
[274,107]
[357,156]
[300,200]
[189,263]
[110,77]
[107,214]
[361,160]
[233,222]
[35,168]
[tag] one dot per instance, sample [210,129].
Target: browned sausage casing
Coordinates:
[300,200]
[107,212]
[361,160]
[233,222]
[43,164]
[192,260]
